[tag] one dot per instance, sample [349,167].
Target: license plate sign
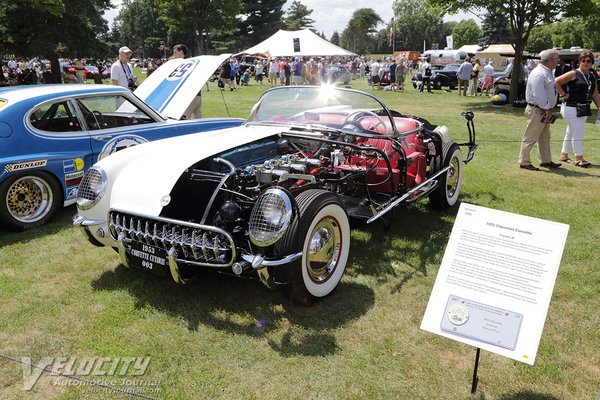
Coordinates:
[148,257]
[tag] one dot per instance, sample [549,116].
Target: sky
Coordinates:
[332,15]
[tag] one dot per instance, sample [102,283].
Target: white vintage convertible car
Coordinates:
[274,197]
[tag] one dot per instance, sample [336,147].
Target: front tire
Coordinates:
[446,194]
[322,232]
[29,200]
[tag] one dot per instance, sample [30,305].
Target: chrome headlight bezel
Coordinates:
[270,217]
[92,188]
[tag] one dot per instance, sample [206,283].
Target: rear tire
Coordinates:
[446,194]
[321,230]
[28,200]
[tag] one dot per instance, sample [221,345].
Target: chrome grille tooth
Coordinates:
[155,234]
[147,232]
[216,247]
[193,244]
[138,231]
[183,244]
[204,246]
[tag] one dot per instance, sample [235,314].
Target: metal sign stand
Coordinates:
[475,376]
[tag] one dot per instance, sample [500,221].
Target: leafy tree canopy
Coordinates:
[417,24]
[357,35]
[45,27]
[298,17]
[466,32]
[495,28]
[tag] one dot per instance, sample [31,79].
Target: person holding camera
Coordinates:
[121,72]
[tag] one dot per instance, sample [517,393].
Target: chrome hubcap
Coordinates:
[452,178]
[324,249]
[28,199]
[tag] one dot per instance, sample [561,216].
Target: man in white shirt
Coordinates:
[374,67]
[541,97]
[426,75]
[121,71]
[464,76]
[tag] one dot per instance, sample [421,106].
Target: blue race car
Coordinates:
[51,134]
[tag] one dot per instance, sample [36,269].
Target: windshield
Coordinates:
[321,105]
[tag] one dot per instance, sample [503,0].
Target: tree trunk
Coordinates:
[55,68]
[516,72]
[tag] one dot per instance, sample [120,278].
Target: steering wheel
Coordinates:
[353,119]
[95,119]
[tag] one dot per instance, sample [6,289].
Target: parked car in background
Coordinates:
[272,199]
[336,73]
[51,134]
[92,71]
[445,77]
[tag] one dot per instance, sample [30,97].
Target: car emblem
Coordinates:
[165,200]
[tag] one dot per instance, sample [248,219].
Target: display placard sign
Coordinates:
[496,280]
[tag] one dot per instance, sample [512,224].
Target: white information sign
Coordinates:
[494,286]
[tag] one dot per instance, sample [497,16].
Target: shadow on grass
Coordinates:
[528,395]
[246,307]
[415,238]
[61,221]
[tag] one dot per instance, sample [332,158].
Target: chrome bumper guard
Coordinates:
[85,226]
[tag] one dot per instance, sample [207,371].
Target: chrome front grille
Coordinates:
[194,243]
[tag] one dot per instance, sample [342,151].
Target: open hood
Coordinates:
[172,87]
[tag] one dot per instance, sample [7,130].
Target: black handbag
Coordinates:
[583,110]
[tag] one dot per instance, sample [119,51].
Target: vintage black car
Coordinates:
[445,77]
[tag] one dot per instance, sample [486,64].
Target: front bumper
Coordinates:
[184,243]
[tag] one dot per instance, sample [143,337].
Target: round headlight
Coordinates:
[91,189]
[270,217]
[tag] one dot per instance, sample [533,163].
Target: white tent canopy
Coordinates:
[302,43]
[470,48]
[499,54]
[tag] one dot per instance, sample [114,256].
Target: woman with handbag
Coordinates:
[578,89]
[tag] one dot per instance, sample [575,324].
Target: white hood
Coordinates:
[172,87]
[140,176]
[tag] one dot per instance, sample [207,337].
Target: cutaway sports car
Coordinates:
[274,197]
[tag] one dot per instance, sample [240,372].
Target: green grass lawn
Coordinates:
[220,337]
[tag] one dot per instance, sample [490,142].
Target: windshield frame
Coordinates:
[382,110]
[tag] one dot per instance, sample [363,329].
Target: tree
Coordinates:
[335,38]
[524,15]
[192,18]
[495,28]
[141,27]
[465,32]
[416,24]
[260,20]
[53,27]
[357,34]
[540,39]
[297,17]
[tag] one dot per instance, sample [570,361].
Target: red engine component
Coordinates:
[378,175]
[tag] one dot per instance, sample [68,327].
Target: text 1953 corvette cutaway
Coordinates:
[273,197]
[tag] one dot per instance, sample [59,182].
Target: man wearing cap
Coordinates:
[121,71]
